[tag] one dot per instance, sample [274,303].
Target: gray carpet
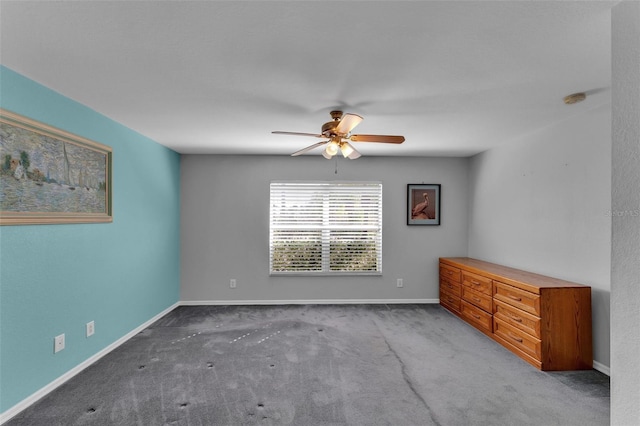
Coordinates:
[319,365]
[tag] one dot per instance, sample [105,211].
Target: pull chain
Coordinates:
[336,172]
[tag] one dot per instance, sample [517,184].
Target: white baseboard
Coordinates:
[25,403]
[602,368]
[309,302]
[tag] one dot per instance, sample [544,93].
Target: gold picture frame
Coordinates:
[50,176]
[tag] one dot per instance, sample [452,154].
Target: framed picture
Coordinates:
[423,204]
[50,176]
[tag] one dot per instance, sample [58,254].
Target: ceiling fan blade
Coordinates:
[277,132]
[377,138]
[309,148]
[347,123]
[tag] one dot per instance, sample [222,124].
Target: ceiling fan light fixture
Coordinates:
[332,148]
[346,150]
[355,154]
[326,155]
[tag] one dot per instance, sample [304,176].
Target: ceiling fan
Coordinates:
[338,133]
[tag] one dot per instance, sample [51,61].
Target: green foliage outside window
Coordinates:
[297,256]
[353,256]
[301,256]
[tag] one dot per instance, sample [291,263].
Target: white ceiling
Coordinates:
[455,78]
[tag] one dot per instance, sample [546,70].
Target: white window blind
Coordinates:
[326,228]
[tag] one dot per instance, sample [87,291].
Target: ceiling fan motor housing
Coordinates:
[329,126]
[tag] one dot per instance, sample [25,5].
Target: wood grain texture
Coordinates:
[480,319]
[478,282]
[481,300]
[515,277]
[450,288]
[543,320]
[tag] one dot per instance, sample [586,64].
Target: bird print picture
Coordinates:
[423,204]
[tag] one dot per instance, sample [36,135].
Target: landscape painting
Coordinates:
[50,176]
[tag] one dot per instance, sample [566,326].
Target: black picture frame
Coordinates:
[423,204]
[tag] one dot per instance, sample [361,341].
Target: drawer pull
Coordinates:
[475,282]
[516,298]
[517,339]
[476,299]
[516,319]
[450,272]
[475,316]
[449,285]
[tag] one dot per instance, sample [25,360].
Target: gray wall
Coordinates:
[225,228]
[625,256]
[543,204]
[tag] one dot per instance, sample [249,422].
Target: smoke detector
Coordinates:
[574,98]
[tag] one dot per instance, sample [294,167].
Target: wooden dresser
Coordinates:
[543,320]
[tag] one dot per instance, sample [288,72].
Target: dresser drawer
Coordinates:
[481,300]
[513,296]
[451,286]
[517,318]
[518,338]
[449,300]
[477,316]
[450,272]
[477,282]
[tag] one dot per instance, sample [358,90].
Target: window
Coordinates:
[326,228]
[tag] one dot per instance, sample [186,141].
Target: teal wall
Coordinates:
[56,278]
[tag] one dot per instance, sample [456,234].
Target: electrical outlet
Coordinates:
[399,283]
[232,283]
[58,343]
[91,328]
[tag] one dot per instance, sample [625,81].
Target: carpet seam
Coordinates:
[405,376]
